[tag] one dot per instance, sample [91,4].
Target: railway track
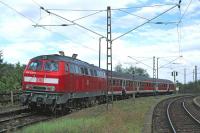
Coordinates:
[10,121]
[176,115]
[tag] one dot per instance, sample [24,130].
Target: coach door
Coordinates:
[123,87]
[138,86]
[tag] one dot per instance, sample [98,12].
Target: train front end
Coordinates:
[42,83]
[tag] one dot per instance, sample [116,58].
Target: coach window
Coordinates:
[98,73]
[113,82]
[51,66]
[35,66]
[120,82]
[91,72]
[117,82]
[95,72]
[101,74]
[104,74]
[76,69]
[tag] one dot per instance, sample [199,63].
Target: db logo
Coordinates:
[41,80]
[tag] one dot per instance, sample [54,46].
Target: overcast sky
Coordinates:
[21,41]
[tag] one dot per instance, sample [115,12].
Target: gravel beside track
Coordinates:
[16,117]
[21,120]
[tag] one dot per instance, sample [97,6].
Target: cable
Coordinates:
[147,18]
[156,5]
[133,14]
[70,21]
[144,23]
[17,11]
[76,10]
[139,62]
[185,11]
[86,16]
[169,62]
[43,26]
[21,14]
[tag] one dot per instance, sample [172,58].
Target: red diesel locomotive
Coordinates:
[58,82]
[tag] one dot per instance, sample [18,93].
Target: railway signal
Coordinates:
[175,74]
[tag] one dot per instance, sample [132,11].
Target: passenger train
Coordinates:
[58,82]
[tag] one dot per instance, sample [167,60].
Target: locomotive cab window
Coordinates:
[86,71]
[35,66]
[51,66]
[72,68]
[82,70]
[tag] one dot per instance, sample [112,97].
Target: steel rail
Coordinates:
[15,117]
[168,116]
[183,104]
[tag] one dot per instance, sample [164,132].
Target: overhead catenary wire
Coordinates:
[94,10]
[87,16]
[144,23]
[155,5]
[185,11]
[43,26]
[71,21]
[147,18]
[170,62]
[17,11]
[39,25]
[139,61]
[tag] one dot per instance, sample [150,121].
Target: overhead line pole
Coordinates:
[154,75]
[157,67]
[109,56]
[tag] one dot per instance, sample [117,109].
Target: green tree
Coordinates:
[132,70]
[10,76]
[118,68]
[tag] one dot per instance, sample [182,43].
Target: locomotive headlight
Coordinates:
[28,86]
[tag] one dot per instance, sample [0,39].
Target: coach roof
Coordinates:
[139,78]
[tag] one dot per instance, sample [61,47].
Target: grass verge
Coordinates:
[126,116]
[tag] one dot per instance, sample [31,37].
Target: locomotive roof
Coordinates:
[64,58]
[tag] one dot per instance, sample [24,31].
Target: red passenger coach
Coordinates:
[54,80]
